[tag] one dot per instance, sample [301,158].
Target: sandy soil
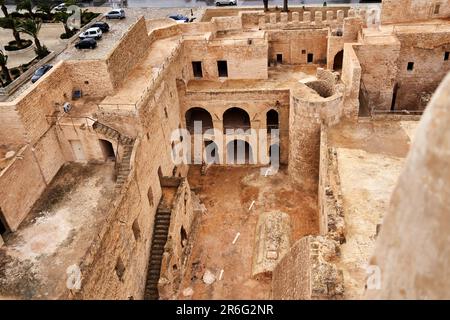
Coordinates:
[56,233]
[370,158]
[227,193]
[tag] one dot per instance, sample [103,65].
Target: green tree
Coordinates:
[32,27]
[266,5]
[26,5]
[45,6]
[63,17]
[13,24]
[5,71]
[4,9]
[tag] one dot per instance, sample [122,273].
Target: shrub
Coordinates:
[14,46]
[68,35]
[42,53]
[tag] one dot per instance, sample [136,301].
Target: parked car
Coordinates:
[61,7]
[179,18]
[226,2]
[40,72]
[87,43]
[95,33]
[115,14]
[102,25]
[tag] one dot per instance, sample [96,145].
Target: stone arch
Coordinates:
[239,152]
[198,114]
[272,120]
[236,118]
[211,152]
[338,59]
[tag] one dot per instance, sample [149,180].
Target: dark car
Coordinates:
[102,25]
[40,72]
[87,43]
[179,17]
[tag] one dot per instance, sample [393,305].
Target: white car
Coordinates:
[115,14]
[95,33]
[226,2]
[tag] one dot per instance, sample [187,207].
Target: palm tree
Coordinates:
[45,7]
[32,27]
[25,5]
[4,9]
[285,6]
[5,71]
[11,23]
[63,17]
[266,5]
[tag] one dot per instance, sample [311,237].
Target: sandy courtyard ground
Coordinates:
[227,193]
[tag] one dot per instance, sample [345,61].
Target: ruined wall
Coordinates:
[90,76]
[395,11]
[128,52]
[379,67]
[176,249]
[307,272]
[245,60]
[122,273]
[11,127]
[351,77]
[295,45]
[43,99]
[426,50]
[305,118]
[414,262]
[25,179]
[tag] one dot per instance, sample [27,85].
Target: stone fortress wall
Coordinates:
[373,61]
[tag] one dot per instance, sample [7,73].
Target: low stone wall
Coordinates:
[176,249]
[307,272]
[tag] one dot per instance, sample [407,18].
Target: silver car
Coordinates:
[115,14]
[226,2]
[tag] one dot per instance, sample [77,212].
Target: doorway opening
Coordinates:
[3,225]
[310,58]
[279,58]
[239,152]
[211,152]
[222,68]
[272,120]
[338,58]
[236,118]
[394,97]
[197,69]
[107,149]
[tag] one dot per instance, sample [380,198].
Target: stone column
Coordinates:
[295,17]
[340,16]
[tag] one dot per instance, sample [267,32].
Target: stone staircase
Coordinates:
[159,239]
[122,167]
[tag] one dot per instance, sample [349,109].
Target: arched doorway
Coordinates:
[274,154]
[211,152]
[239,152]
[338,58]
[107,149]
[236,118]
[198,114]
[271,120]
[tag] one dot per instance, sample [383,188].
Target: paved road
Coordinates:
[202,3]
